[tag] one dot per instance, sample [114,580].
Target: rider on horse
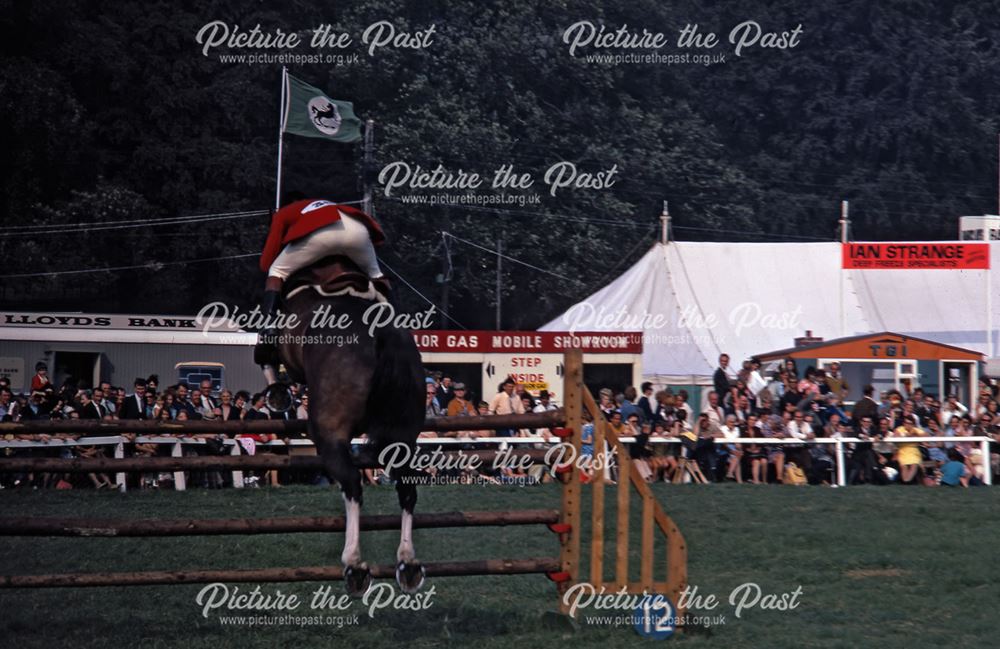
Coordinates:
[302,232]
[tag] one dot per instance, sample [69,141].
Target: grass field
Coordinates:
[878,567]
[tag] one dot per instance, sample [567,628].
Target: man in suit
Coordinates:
[206,394]
[445,392]
[720,380]
[647,403]
[861,467]
[90,408]
[134,406]
[867,407]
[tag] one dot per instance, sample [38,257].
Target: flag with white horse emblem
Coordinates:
[309,112]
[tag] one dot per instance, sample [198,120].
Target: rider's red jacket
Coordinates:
[296,220]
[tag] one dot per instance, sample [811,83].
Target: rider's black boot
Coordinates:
[266,351]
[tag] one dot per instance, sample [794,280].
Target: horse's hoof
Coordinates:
[410,576]
[357,580]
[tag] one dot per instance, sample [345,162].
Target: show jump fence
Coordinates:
[662,571]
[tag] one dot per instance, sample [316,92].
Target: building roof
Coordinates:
[916,348]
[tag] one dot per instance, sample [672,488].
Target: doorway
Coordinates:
[82,367]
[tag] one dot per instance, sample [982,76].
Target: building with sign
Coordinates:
[888,361]
[483,359]
[119,348]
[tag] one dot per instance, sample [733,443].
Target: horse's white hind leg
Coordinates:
[351,555]
[409,572]
[337,460]
[405,553]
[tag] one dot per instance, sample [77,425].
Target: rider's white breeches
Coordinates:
[348,237]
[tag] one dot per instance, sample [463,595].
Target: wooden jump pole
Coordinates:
[264,461]
[569,556]
[277,427]
[265,575]
[91,527]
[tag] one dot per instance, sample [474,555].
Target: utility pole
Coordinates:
[665,223]
[845,223]
[446,272]
[368,173]
[499,288]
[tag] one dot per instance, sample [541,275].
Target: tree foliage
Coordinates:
[114,114]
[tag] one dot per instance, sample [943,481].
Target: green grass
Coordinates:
[886,567]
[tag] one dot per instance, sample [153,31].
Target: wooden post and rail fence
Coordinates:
[657,571]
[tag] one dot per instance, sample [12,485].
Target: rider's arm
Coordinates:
[272,248]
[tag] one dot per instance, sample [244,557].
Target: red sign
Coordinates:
[918,255]
[430,340]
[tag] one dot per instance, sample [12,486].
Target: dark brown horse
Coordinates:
[359,383]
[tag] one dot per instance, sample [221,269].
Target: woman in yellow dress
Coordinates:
[908,455]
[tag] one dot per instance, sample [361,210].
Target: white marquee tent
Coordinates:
[695,300]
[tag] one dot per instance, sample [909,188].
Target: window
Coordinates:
[194,373]
[882,376]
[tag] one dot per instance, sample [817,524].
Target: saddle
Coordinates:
[335,275]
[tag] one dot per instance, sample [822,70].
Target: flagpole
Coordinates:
[281,135]
[367,206]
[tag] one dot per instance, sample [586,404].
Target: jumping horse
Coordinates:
[360,383]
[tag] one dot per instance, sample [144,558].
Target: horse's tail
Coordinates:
[396,403]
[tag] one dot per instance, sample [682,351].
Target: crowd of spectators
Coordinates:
[74,400]
[790,408]
[797,408]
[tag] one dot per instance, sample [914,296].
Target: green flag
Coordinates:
[309,112]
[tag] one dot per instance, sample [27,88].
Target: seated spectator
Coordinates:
[704,451]
[431,407]
[681,403]
[40,380]
[954,472]
[755,454]
[713,410]
[228,411]
[202,408]
[664,460]
[774,427]
[908,455]
[639,451]
[808,387]
[258,408]
[606,402]
[731,431]
[936,450]
[183,403]
[799,428]
[952,408]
